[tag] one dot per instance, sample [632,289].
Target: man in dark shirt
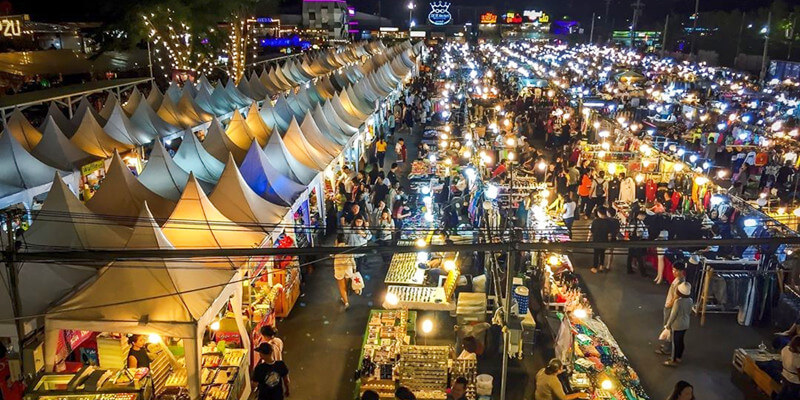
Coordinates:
[271,376]
[599,231]
[392,175]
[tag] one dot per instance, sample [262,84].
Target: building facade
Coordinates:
[330,16]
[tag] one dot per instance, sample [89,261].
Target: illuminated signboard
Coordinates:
[536,16]
[11,25]
[512,18]
[440,13]
[488,18]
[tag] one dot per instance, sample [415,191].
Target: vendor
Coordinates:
[548,386]
[137,356]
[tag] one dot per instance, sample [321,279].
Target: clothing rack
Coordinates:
[750,267]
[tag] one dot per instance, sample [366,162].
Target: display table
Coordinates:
[91,383]
[420,298]
[748,361]
[387,331]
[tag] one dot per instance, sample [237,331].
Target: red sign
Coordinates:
[488,18]
[512,18]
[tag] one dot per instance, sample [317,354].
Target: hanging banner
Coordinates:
[440,13]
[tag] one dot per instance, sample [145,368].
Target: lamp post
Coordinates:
[410,10]
[766,32]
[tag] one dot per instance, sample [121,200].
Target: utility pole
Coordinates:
[149,58]
[694,24]
[607,26]
[13,284]
[763,74]
[664,36]
[637,9]
[591,32]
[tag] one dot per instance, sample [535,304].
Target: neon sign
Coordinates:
[11,25]
[512,18]
[488,18]
[536,16]
[440,13]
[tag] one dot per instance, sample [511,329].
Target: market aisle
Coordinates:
[322,342]
[632,306]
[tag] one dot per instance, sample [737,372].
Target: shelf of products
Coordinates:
[404,270]
[387,331]
[91,383]
[420,298]
[424,368]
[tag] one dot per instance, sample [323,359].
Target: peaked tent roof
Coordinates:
[146,232]
[318,140]
[335,120]
[155,97]
[133,101]
[19,170]
[57,151]
[171,302]
[302,150]
[173,91]
[238,202]
[60,119]
[119,127]
[162,175]
[108,106]
[267,113]
[258,128]
[208,104]
[147,123]
[65,223]
[280,156]
[191,112]
[23,131]
[91,138]
[168,111]
[219,144]
[196,223]
[121,196]
[84,107]
[266,180]
[239,131]
[192,157]
[332,132]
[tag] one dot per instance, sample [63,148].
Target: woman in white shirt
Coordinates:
[790,358]
[568,212]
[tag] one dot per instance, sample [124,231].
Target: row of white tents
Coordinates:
[256,170]
[66,144]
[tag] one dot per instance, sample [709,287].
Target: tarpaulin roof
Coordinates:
[147,123]
[266,180]
[192,157]
[121,196]
[162,175]
[91,138]
[257,126]
[57,151]
[318,140]
[239,203]
[154,98]
[23,131]
[120,128]
[220,145]
[60,119]
[19,170]
[280,156]
[196,223]
[65,223]
[303,151]
[133,101]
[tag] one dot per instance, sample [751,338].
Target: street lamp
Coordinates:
[410,10]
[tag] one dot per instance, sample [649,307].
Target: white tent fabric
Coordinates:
[189,89]
[23,131]
[121,196]
[203,85]
[239,203]
[84,107]
[333,118]
[168,112]
[267,113]
[60,119]
[267,180]
[283,113]
[208,104]
[91,138]
[188,109]
[302,150]
[196,223]
[258,128]
[173,92]
[219,144]
[222,99]
[119,127]
[244,88]
[192,157]
[279,156]
[162,175]
[239,131]
[237,96]
[19,170]
[318,140]
[257,87]
[155,97]
[65,223]
[147,123]
[133,101]
[108,106]
[57,151]
[332,132]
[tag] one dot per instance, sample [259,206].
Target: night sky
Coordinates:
[655,10]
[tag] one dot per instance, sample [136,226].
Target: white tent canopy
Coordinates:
[286,164]
[91,138]
[19,170]
[267,180]
[220,144]
[21,128]
[304,151]
[57,151]
[192,157]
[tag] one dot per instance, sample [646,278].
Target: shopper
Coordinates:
[599,190]
[584,190]
[459,389]
[679,272]
[790,358]
[637,231]
[613,235]
[358,236]
[568,212]
[344,266]
[392,175]
[548,386]
[385,229]
[269,334]
[400,150]
[272,376]
[678,322]
[380,151]
[598,232]
[682,391]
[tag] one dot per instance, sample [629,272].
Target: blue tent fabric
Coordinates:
[266,180]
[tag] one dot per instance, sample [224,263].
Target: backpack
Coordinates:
[600,190]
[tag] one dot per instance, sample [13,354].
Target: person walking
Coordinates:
[269,334]
[271,376]
[613,235]
[598,232]
[790,358]
[358,236]
[568,211]
[385,229]
[344,266]
[400,150]
[584,190]
[599,190]
[380,152]
[678,322]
